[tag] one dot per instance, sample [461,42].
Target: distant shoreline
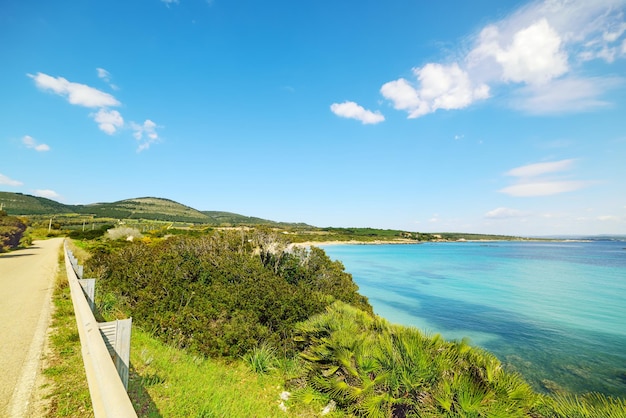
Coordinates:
[353,242]
[413,242]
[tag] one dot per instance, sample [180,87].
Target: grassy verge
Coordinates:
[167,382]
[69,393]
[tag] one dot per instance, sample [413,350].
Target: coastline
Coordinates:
[352,242]
[306,244]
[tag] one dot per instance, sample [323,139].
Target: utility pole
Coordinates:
[50,226]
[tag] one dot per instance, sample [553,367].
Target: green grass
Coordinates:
[168,382]
[69,393]
[261,359]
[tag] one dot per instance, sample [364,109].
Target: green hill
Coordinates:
[159,209]
[229,218]
[23,204]
[151,208]
[148,208]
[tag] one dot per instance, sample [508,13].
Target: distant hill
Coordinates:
[222,218]
[23,204]
[153,208]
[149,208]
[159,209]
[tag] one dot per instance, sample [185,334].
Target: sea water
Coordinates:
[553,311]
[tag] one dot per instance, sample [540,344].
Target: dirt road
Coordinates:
[26,283]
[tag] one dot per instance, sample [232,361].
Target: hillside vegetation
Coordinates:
[143,208]
[150,208]
[23,204]
[247,294]
[229,218]
[157,214]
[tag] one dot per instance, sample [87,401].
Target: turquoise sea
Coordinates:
[553,311]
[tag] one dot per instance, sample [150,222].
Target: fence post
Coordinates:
[116,336]
[89,289]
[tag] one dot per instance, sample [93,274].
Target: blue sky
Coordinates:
[484,116]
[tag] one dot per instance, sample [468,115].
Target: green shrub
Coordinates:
[217,294]
[261,359]
[90,234]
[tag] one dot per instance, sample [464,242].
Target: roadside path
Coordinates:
[26,284]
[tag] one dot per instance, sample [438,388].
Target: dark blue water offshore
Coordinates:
[554,311]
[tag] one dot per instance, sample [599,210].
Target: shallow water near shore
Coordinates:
[553,311]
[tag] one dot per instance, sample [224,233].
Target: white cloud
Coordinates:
[543,188]
[49,194]
[351,110]
[30,142]
[581,24]
[168,2]
[76,93]
[504,213]
[537,53]
[565,95]
[534,45]
[533,179]
[609,218]
[6,181]
[147,128]
[440,87]
[612,36]
[537,169]
[104,74]
[109,121]
[145,133]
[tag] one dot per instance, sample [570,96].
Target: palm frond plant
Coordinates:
[374,369]
[590,405]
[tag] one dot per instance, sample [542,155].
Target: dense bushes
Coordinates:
[11,231]
[90,234]
[221,294]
